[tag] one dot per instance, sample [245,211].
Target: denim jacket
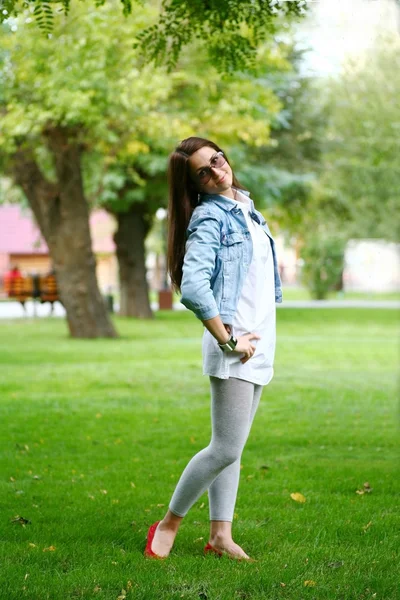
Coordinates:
[218,252]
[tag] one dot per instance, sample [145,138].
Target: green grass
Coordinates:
[82,418]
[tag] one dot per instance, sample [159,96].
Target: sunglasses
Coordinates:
[216,162]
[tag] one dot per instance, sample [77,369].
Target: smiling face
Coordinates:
[221,177]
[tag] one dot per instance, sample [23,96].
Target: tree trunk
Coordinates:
[62,214]
[129,238]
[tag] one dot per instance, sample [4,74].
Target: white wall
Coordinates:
[372,266]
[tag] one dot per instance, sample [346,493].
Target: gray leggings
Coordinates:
[217,468]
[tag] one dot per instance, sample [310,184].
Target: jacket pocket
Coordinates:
[232,245]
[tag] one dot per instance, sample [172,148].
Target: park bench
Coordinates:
[40,288]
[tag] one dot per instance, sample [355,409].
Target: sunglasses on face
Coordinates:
[216,162]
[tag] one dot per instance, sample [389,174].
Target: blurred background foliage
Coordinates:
[319,154]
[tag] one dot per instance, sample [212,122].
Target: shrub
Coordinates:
[323,256]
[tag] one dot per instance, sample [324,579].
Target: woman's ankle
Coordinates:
[167,526]
[220,531]
[220,538]
[170,522]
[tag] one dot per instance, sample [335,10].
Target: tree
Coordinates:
[53,111]
[284,172]
[62,215]
[359,187]
[101,111]
[231,31]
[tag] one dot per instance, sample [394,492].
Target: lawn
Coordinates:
[94,436]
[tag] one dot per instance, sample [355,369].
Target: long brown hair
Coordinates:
[183,198]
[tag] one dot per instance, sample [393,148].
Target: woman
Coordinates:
[222,258]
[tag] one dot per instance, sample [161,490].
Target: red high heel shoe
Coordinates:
[148,552]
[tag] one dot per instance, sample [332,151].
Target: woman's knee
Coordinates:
[223,457]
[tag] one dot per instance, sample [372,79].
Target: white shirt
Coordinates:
[255,313]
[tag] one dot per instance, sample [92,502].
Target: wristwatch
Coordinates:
[230,345]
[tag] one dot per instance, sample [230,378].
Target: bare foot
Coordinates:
[229,547]
[163,540]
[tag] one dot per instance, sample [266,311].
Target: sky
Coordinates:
[339,28]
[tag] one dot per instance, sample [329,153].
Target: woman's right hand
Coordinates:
[244,346]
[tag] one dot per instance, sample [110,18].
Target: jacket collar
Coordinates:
[227,204]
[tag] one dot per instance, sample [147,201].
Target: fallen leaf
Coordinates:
[132,484]
[97,589]
[367,526]
[366,489]
[98,416]
[283,584]
[26,576]
[200,539]
[202,505]
[297,497]
[192,439]
[310,583]
[21,520]
[12,479]
[32,545]
[122,595]
[336,564]
[160,505]
[104,491]
[49,549]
